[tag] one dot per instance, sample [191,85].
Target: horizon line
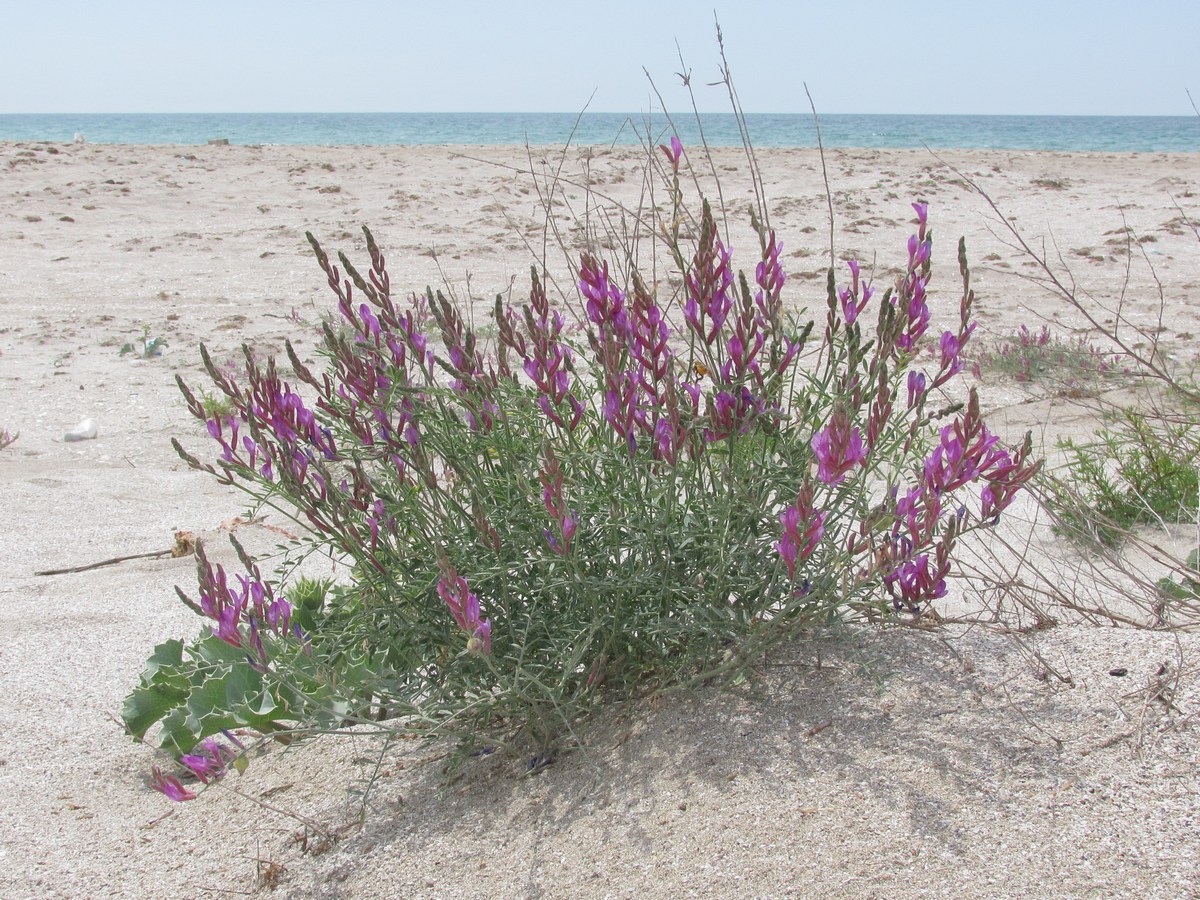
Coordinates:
[631,115]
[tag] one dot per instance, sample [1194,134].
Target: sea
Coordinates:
[1113,134]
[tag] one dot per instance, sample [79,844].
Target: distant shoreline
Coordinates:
[1113,134]
[519,149]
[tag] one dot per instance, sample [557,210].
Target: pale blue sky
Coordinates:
[857,56]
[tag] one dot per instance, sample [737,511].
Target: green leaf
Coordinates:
[212,649]
[168,654]
[148,704]
[176,734]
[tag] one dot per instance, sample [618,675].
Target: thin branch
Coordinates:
[824,174]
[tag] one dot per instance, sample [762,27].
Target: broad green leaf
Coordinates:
[168,654]
[148,704]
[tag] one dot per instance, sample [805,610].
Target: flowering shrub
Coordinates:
[529,526]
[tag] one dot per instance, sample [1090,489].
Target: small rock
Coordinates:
[84,431]
[218,142]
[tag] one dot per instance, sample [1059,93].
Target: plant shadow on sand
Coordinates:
[901,748]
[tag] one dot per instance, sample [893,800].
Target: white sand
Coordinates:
[955,767]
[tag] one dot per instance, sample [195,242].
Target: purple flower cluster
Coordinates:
[733,333]
[709,283]
[284,436]
[464,606]
[797,545]
[641,393]
[472,380]
[913,582]
[207,761]
[565,520]
[855,297]
[379,372]
[967,452]
[838,447]
[548,360]
[241,611]
[910,293]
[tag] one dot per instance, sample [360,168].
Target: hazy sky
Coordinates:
[857,56]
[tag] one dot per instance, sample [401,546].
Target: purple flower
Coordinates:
[916,582]
[216,430]
[950,348]
[852,306]
[209,764]
[796,546]
[709,283]
[464,606]
[227,625]
[916,388]
[605,301]
[611,409]
[839,448]
[169,785]
[552,499]
[370,322]
[770,278]
[665,440]
[547,361]
[674,152]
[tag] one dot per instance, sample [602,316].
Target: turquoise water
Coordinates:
[1104,133]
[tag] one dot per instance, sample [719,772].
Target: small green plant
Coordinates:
[145,348]
[1138,470]
[1186,586]
[6,439]
[1070,367]
[215,406]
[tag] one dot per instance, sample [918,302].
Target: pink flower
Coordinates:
[709,284]
[796,546]
[209,763]
[839,448]
[169,785]
[852,305]
[674,152]
[916,387]
[605,301]
[916,582]
[464,606]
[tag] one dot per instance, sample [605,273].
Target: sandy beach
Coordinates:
[965,762]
